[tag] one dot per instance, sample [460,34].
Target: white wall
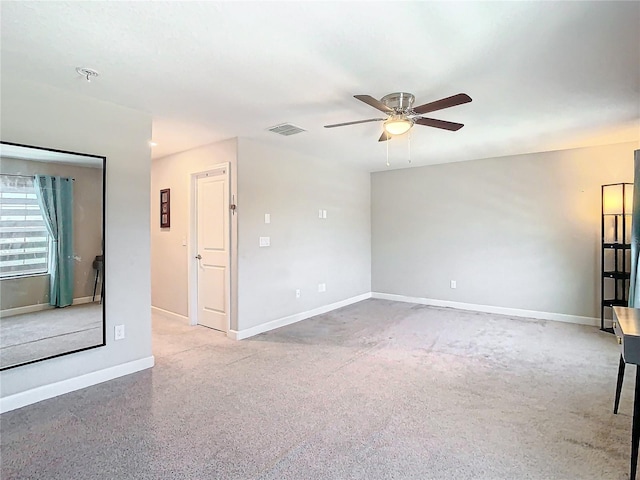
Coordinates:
[47,117]
[305,250]
[521,232]
[169,257]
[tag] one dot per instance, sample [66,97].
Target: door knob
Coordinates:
[199,257]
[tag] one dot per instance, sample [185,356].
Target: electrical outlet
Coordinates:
[118,333]
[453,284]
[297,293]
[265,241]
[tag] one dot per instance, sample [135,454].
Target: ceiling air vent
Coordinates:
[286,129]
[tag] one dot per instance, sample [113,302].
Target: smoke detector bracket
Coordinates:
[88,73]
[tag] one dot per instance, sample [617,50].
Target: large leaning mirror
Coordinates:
[51,253]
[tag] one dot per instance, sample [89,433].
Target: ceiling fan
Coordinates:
[402,115]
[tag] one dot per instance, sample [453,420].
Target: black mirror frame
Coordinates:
[103,302]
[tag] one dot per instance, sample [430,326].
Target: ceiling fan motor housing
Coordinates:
[400,102]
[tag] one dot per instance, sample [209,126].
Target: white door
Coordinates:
[212,249]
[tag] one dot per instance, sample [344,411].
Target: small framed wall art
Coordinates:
[165,208]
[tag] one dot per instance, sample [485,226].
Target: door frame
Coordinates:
[192,240]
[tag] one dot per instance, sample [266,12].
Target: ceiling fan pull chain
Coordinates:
[387,142]
[409,144]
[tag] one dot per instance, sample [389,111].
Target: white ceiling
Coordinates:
[542,75]
[35,154]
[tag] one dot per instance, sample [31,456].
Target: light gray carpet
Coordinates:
[31,336]
[377,390]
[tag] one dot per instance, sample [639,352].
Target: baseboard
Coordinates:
[44,392]
[39,307]
[281,322]
[513,312]
[171,315]
[83,300]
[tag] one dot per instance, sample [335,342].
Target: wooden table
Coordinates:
[626,326]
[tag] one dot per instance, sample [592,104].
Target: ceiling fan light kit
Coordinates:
[397,125]
[401,115]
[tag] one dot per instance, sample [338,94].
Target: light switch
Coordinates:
[320,213]
[267,218]
[324,214]
[265,241]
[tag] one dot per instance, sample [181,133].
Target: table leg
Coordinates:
[95,285]
[619,384]
[635,430]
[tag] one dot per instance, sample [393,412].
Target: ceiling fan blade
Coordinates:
[384,137]
[452,101]
[432,122]
[354,123]
[369,100]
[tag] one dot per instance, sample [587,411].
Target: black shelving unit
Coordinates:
[616,250]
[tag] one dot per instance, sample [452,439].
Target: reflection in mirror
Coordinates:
[51,253]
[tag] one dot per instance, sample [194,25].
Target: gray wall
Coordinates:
[24,291]
[169,259]
[520,232]
[44,116]
[87,232]
[305,250]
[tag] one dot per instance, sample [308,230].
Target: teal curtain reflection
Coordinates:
[634,290]
[55,198]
